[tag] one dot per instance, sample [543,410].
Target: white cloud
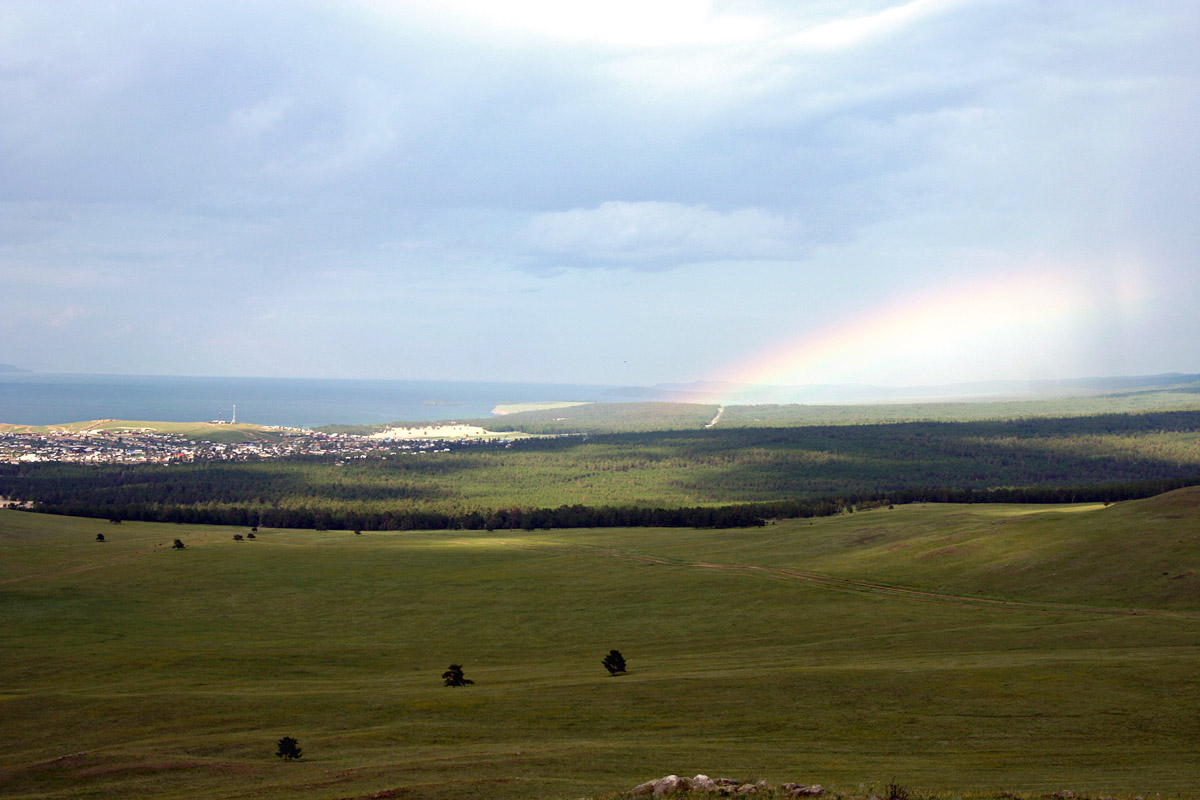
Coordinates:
[612,23]
[251,122]
[854,30]
[830,150]
[57,278]
[659,235]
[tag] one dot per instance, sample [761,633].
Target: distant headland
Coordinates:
[11,368]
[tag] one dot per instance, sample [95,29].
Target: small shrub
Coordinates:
[895,791]
[614,662]
[454,676]
[251,536]
[237,537]
[288,749]
[178,545]
[99,537]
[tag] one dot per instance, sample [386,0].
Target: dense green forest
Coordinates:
[697,477]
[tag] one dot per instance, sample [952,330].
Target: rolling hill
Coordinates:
[981,650]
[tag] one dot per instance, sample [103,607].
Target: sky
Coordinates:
[768,193]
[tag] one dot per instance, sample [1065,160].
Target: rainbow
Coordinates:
[1006,324]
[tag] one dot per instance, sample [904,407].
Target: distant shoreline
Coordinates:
[545,405]
[46,398]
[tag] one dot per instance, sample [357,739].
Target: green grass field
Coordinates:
[960,650]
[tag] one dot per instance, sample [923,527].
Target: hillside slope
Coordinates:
[745,657]
[1139,554]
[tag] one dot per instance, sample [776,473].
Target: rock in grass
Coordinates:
[721,786]
[672,783]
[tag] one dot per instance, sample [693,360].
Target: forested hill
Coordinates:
[755,470]
[644,417]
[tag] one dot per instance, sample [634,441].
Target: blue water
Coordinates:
[46,399]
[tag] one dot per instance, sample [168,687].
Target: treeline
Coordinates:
[578,516]
[500,519]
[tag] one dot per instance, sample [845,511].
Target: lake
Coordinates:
[33,398]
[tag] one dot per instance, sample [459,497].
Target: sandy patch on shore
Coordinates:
[434,432]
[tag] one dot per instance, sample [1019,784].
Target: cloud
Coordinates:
[44,316]
[658,235]
[854,30]
[613,154]
[14,274]
[253,121]
[617,24]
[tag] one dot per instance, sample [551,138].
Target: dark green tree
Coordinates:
[178,545]
[614,662]
[288,749]
[99,537]
[454,676]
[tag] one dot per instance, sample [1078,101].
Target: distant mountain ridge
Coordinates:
[11,368]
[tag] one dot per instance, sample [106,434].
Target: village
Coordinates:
[150,447]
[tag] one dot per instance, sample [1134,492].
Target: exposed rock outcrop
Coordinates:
[672,784]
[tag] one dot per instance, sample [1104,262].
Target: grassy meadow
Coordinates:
[960,650]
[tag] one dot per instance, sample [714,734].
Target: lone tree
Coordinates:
[288,750]
[237,537]
[614,662]
[99,537]
[178,545]
[454,676]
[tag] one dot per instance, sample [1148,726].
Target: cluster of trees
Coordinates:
[577,516]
